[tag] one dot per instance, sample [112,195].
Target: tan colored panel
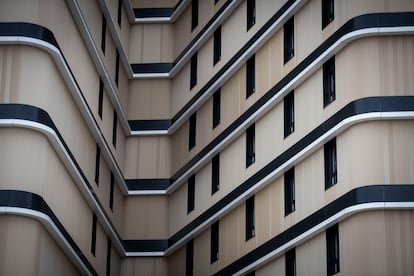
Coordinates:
[145,218]
[311,256]
[147,266]
[153,3]
[177,262]
[202,249]
[276,267]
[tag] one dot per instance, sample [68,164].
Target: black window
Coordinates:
[93,242]
[331,177]
[111,192]
[332,249]
[192,131]
[251,273]
[250,145]
[194,14]
[329,81]
[189,258]
[100,100]
[108,256]
[193,71]
[289,114]
[214,256]
[97,163]
[327,12]
[290,262]
[251,13]
[114,128]
[215,174]
[191,193]
[216,108]
[289,40]
[119,12]
[117,68]
[290,191]
[250,76]
[250,218]
[215,1]
[103,35]
[217,45]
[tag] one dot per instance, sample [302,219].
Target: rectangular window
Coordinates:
[114,128]
[289,114]
[193,71]
[189,258]
[215,174]
[327,12]
[214,256]
[97,164]
[250,218]
[250,76]
[93,242]
[111,192]
[100,100]
[251,13]
[290,262]
[332,249]
[194,14]
[119,12]
[215,1]
[108,256]
[191,193]
[103,35]
[329,81]
[216,107]
[331,175]
[290,191]
[117,68]
[192,131]
[289,39]
[250,145]
[217,45]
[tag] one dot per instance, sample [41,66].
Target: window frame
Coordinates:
[97,164]
[215,173]
[214,242]
[289,114]
[328,12]
[108,256]
[190,193]
[193,71]
[114,128]
[250,13]
[103,34]
[93,238]
[289,190]
[216,108]
[290,262]
[250,76]
[189,258]
[117,69]
[119,15]
[192,131]
[217,45]
[250,217]
[250,145]
[332,250]
[329,82]
[289,40]
[100,98]
[111,192]
[330,163]
[194,14]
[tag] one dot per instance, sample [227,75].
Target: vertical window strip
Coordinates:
[289,114]
[214,256]
[194,14]
[103,34]
[217,45]
[97,164]
[251,13]
[216,108]
[215,174]
[290,262]
[119,12]
[193,71]
[330,156]
[250,231]
[192,131]
[108,256]
[189,258]
[329,81]
[328,12]
[93,240]
[289,39]
[114,128]
[250,76]
[332,249]
[117,68]
[100,100]
[111,192]
[289,191]
[250,145]
[191,194]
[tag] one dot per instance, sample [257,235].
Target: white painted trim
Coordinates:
[321,227]
[53,230]
[315,145]
[170,19]
[73,171]
[145,254]
[77,96]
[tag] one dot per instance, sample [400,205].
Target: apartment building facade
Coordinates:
[206,137]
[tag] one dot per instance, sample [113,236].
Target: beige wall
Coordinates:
[146,266]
